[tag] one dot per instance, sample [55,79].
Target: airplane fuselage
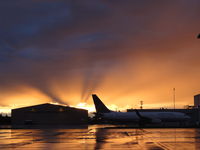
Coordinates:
[155,116]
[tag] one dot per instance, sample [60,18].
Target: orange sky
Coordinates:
[124,52]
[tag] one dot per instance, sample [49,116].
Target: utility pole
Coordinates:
[174,97]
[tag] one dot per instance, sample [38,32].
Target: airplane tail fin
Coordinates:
[99,105]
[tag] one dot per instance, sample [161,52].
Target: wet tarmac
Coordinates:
[96,137]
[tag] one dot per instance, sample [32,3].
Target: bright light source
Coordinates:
[83,105]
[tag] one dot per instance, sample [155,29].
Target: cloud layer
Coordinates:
[63,51]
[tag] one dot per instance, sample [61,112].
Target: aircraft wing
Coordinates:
[146,119]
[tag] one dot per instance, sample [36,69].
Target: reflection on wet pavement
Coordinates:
[100,137]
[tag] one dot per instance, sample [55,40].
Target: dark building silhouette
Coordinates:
[4,120]
[49,114]
[197,100]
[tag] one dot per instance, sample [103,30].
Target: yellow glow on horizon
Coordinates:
[5,110]
[86,106]
[91,108]
[56,103]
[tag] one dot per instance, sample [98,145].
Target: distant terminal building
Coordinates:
[49,114]
[197,100]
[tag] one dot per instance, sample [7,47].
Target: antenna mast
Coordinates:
[141,104]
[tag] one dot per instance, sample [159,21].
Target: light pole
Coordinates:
[174,96]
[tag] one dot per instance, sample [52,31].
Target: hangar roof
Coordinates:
[49,107]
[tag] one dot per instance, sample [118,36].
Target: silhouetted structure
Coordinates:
[198,36]
[197,100]
[4,120]
[49,114]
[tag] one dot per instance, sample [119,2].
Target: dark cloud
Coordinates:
[90,46]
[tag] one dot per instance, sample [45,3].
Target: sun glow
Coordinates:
[86,106]
[91,108]
[5,110]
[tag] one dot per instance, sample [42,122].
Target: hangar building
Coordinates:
[49,114]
